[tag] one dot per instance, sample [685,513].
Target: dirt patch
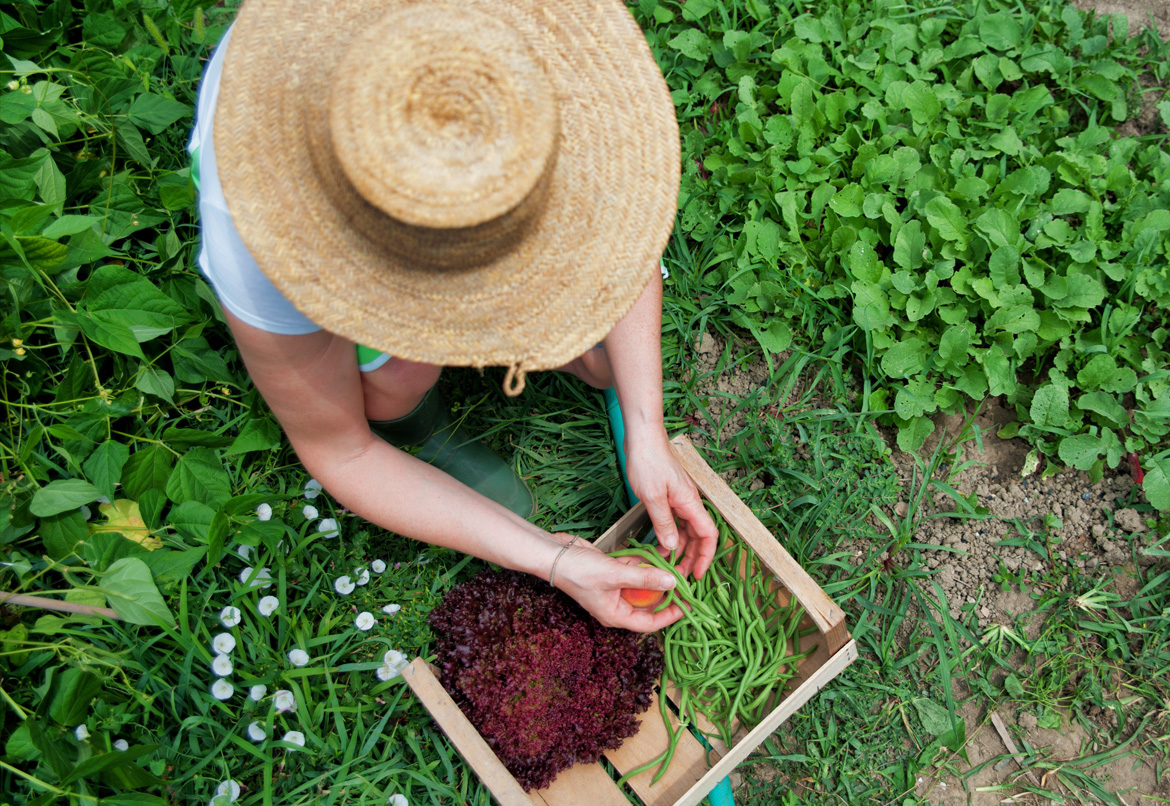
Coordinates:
[1140,12]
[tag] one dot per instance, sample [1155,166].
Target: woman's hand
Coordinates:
[680,520]
[596,581]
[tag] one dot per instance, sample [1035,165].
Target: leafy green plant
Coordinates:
[947,174]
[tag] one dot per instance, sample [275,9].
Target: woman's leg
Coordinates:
[592,367]
[395,389]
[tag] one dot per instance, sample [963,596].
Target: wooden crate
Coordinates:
[694,771]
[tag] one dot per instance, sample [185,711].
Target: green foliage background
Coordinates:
[934,194]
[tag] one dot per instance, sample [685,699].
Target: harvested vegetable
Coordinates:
[544,683]
[734,651]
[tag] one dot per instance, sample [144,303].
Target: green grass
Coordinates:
[172,424]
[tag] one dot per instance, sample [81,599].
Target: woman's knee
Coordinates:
[394,389]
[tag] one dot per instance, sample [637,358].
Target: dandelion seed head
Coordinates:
[298,657]
[264,512]
[230,616]
[221,689]
[223,643]
[364,621]
[221,666]
[378,566]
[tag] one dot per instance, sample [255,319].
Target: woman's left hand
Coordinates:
[680,520]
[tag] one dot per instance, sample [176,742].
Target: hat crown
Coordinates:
[444,123]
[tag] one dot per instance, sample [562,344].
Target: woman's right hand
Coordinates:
[596,581]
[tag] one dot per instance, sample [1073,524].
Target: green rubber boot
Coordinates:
[447,445]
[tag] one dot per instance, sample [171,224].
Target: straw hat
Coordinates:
[484,183]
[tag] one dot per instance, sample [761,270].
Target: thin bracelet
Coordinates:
[553,572]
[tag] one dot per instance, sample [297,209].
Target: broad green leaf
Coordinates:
[131,593]
[148,468]
[908,248]
[62,533]
[170,567]
[847,201]
[776,337]
[1157,483]
[62,496]
[256,435]
[69,225]
[1104,405]
[923,103]
[156,113]
[1050,406]
[199,476]
[1099,371]
[947,219]
[192,519]
[935,718]
[154,381]
[104,465]
[1080,450]
[693,43]
[954,344]
[862,262]
[905,358]
[72,692]
[1068,201]
[695,10]
[124,517]
[1000,31]
[1083,292]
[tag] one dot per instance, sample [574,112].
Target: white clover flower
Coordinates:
[121,744]
[343,585]
[230,616]
[294,737]
[378,566]
[222,689]
[264,512]
[256,732]
[245,553]
[310,512]
[257,692]
[223,643]
[363,576]
[221,666]
[229,788]
[391,609]
[364,621]
[397,799]
[260,577]
[268,605]
[284,701]
[312,489]
[298,657]
[81,732]
[328,526]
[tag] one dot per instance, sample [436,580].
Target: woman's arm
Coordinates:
[312,384]
[634,350]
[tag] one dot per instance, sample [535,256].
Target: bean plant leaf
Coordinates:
[63,495]
[199,476]
[104,465]
[131,593]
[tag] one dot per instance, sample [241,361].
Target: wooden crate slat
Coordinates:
[463,735]
[829,618]
[581,785]
[791,704]
[688,765]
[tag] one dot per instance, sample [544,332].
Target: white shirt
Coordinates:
[239,283]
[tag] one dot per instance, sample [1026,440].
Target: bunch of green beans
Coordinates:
[734,647]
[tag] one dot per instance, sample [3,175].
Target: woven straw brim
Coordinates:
[608,214]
